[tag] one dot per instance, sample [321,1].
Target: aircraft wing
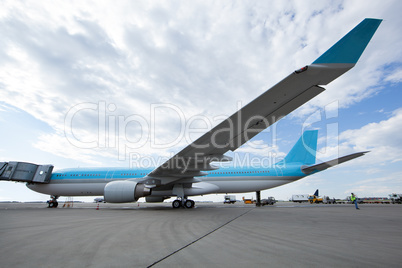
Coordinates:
[275,103]
[322,166]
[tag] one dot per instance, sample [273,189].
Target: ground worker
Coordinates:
[354,200]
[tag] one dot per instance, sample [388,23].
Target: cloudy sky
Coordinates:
[102,83]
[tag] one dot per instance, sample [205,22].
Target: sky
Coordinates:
[131,83]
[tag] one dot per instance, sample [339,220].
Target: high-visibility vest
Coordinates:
[352,198]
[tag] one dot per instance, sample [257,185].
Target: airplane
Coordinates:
[189,172]
[99,200]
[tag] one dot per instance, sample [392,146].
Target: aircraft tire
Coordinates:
[189,204]
[53,204]
[176,204]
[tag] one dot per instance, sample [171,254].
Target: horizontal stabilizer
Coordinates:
[322,166]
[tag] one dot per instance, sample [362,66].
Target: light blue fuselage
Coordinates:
[91,182]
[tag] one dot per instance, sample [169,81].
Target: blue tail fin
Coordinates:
[316,193]
[304,150]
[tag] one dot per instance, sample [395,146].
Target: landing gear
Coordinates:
[52,203]
[181,200]
[176,203]
[186,203]
[189,203]
[258,197]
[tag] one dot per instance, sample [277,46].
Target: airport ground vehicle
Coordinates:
[248,201]
[314,198]
[300,198]
[229,199]
[375,200]
[395,198]
[268,201]
[327,200]
[99,200]
[367,200]
[348,200]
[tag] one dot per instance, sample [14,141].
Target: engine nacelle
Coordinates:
[125,191]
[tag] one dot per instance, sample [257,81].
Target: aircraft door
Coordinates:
[109,175]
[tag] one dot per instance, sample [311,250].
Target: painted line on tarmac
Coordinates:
[198,239]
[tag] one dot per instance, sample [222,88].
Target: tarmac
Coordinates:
[210,235]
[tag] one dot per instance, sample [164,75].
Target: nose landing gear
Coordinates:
[52,203]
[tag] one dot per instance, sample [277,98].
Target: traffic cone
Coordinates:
[97,208]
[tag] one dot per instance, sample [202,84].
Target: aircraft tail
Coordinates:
[304,150]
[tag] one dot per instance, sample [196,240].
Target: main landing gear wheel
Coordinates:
[189,204]
[186,204]
[176,204]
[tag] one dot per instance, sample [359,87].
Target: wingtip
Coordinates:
[349,49]
[374,19]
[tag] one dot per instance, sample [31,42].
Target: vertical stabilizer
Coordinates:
[304,150]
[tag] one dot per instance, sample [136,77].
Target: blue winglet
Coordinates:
[351,46]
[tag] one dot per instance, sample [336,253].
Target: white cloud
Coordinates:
[383,139]
[395,77]
[379,186]
[262,149]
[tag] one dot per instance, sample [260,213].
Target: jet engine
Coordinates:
[125,191]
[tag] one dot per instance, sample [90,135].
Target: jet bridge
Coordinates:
[25,172]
